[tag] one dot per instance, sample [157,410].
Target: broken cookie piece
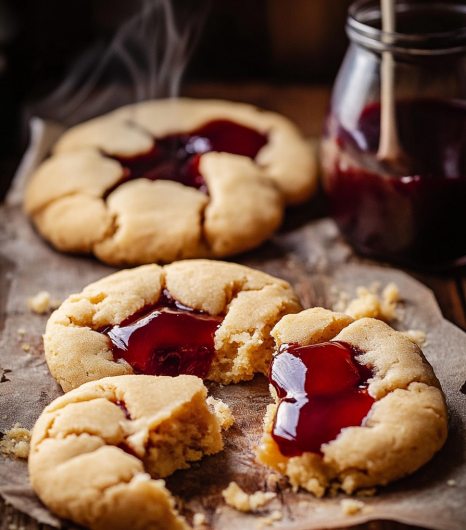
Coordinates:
[223,412]
[347,392]
[98,453]
[41,303]
[371,303]
[237,498]
[206,318]
[16,442]
[352,507]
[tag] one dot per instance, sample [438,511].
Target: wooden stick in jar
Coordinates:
[389,145]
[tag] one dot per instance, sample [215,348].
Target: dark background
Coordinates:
[276,41]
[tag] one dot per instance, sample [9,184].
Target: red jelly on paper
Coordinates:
[176,157]
[322,389]
[167,338]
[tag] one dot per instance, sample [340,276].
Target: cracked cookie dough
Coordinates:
[86,199]
[98,453]
[405,426]
[247,303]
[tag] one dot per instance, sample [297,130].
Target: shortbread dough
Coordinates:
[405,427]
[79,202]
[98,453]
[251,302]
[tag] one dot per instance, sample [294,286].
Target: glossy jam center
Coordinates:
[176,157]
[167,338]
[322,389]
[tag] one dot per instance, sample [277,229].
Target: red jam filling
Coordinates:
[322,389]
[176,157]
[167,338]
[122,406]
[123,445]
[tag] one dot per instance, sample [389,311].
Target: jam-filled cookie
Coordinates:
[96,451]
[206,318]
[357,404]
[171,179]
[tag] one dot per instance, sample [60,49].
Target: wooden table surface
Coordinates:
[306,106]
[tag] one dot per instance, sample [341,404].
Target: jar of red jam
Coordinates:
[409,210]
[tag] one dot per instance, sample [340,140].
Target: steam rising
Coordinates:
[146,59]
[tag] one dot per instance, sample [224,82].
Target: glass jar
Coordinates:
[412,210]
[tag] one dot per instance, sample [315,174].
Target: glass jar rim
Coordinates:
[427,44]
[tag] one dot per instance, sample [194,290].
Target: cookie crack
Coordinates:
[112,228]
[404,387]
[124,480]
[102,489]
[84,399]
[203,236]
[141,128]
[64,196]
[352,469]
[237,289]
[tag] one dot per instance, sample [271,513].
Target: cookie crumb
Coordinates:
[40,303]
[16,442]
[366,492]
[21,331]
[259,498]
[26,347]
[451,483]
[370,304]
[4,417]
[351,506]
[417,336]
[269,520]
[12,527]
[237,498]
[223,413]
[199,519]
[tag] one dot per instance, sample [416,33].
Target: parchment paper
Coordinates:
[316,261]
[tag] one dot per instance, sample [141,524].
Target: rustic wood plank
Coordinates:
[305,105]
[461,285]
[449,289]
